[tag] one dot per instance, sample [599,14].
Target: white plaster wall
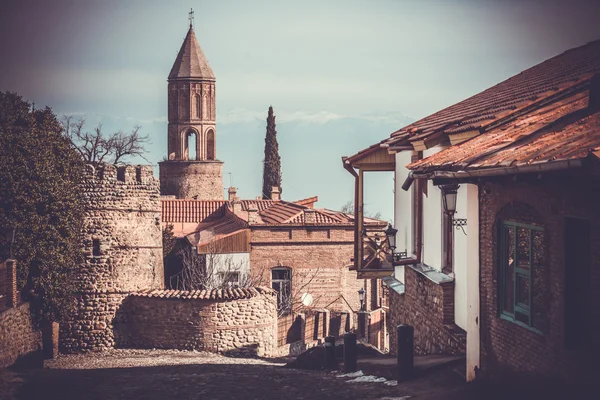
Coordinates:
[229,262]
[460,261]
[472,280]
[403,218]
[432,221]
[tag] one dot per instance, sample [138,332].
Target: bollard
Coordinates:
[405,352]
[350,352]
[330,362]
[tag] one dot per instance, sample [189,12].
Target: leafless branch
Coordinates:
[97,147]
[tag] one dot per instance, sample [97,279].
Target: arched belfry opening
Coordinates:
[210,144]
[191,139]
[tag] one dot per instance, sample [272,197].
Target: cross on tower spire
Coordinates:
[191,18]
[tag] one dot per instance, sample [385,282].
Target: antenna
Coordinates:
[191,17]
[230,179]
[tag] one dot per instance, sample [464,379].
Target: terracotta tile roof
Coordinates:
[529,88]
[281,213]
[562,131]
[258,204]
[190,61]
[214,294]
[182,210]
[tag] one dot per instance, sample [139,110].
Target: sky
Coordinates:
[341,75]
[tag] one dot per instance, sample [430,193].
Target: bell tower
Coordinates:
[191,169]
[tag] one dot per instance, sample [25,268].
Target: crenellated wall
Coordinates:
[122,243]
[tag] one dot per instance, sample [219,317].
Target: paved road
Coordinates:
[136,374]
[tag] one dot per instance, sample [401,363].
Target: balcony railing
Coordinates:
[376,259]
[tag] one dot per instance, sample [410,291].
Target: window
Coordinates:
[230,278]
[521,275]
[281,281]
[96,247]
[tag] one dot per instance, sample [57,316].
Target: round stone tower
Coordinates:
[191,169]
[121,240]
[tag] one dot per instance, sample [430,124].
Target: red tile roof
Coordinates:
[563,131]
[183,210]
[214,294]
[528,89]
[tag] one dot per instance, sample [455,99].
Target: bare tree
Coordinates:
[348,208]
[97,147]
[213,270]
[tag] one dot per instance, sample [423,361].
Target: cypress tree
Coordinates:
[272,161]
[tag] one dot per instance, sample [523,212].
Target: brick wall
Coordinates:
[122,243]
[240,326]
[18,337]
[508,349]
[319,265]
[422,306]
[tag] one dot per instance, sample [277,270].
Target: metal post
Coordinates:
[330,362]
[362,324]
[350,352]
[405,352]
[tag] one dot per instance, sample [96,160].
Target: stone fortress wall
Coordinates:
[122,243]
[121,301]
[240,321]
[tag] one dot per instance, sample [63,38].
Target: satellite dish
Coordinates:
[307,299]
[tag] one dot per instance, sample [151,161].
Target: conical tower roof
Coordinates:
[190,62]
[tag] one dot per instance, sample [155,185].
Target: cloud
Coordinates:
[242,115]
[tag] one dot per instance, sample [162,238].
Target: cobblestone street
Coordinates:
[158,374]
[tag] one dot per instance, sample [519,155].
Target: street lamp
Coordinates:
[449,198]
[449,201]
[390,232]
[361,297]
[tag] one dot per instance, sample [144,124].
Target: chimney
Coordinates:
[232,193]
[310,216]
[237,207]
[252,214]
[275,193]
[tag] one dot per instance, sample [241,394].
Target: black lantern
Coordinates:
[449,198]
[390,232]
[361,297]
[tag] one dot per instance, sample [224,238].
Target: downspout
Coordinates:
[357,235]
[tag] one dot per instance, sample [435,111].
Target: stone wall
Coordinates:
[18,337]
[425,305]
[122,242]
[187,179]
[509,350]
[239,325]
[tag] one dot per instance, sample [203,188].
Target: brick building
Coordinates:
[518,163]
[290,246]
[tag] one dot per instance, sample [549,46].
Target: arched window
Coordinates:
[198,102]
[281,281]
[191,140]
[210,145]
